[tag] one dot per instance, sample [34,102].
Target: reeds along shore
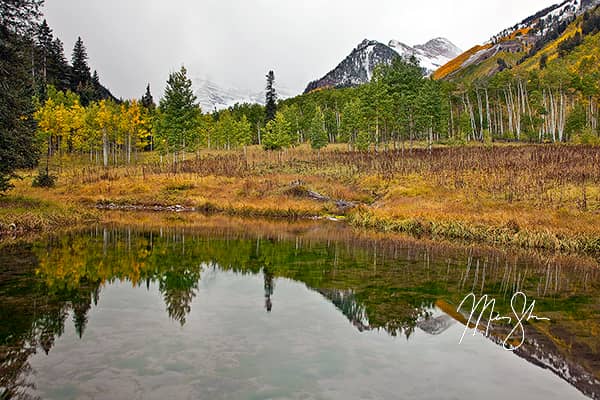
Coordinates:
[534,196]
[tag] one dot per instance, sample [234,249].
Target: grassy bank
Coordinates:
[544,196]
[22,215]
[506,235]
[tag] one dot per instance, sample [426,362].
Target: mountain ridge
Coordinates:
[357,68]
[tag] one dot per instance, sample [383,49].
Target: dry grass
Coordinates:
[21,215]
[542,194]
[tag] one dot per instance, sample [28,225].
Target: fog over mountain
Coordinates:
[236,42]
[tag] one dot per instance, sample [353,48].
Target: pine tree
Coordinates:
[95,79]
[80,70]
[543,61]
[318,134]
[17,125]
[59,70]
[149,110]
[147,99]
[179,113]
[271,98]
[44,42]
[94,84]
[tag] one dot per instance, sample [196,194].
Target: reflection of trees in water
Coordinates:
[32,317]
[402,278]
[178,287]
[44,323]
[376,284]
[269,288]
[81,304]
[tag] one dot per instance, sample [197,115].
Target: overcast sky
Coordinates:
[235,42]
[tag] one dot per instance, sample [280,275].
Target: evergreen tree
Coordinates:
[543,61]
[17,126]
[271,98]
[80,70]
[428,108]
[58,69]
[377,106]
[44,42]
[318,134]
[148,105]
[403,81]
[87,92]
[179,113]
[95,87]
[95,79]
[148,100]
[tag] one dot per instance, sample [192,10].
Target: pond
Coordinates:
[241,309]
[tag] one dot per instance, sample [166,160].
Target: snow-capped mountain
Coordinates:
[549,17]
[430,55]
[357,68]
[212,96]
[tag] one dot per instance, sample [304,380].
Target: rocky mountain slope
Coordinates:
[514,45]
[430,55]
[357,68]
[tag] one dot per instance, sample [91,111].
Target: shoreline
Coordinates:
[42,221]
[504,195]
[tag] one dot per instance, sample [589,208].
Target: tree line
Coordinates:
[32,60]
[52,107]
[397,108]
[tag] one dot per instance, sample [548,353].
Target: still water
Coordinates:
[240,310]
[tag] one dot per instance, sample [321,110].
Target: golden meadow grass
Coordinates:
[532,196]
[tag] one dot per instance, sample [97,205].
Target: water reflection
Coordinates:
[269,287]
[388,285]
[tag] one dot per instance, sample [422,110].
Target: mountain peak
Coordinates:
[440,46]
[431,55]
[365,43]
[357,68]
[396,44]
